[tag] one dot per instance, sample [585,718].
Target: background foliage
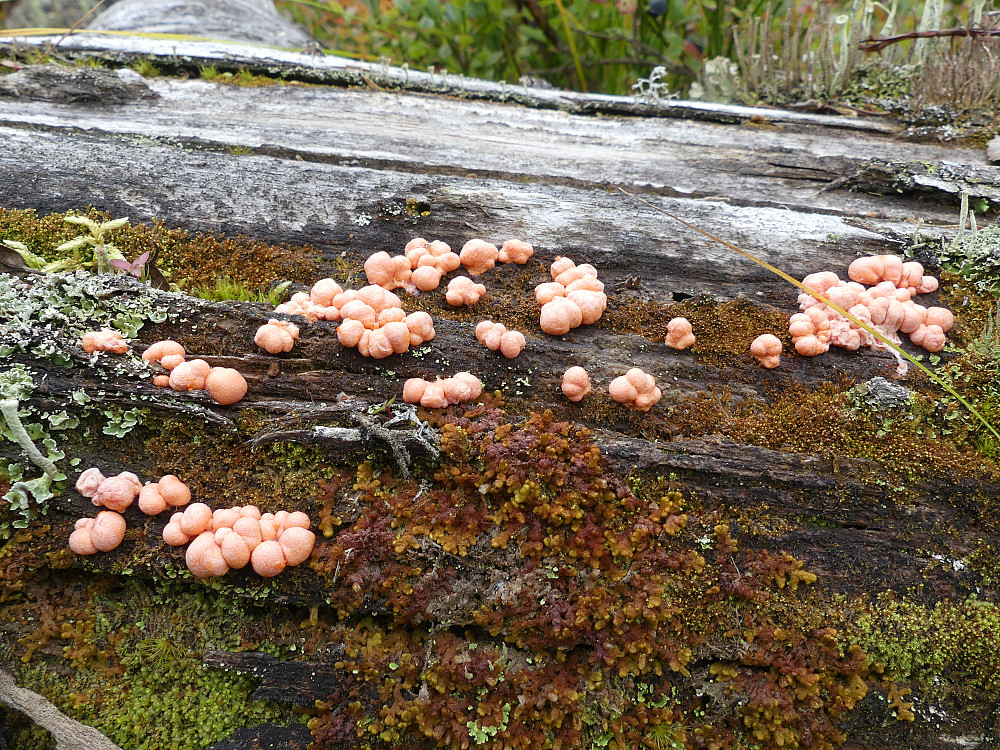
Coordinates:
[590,45]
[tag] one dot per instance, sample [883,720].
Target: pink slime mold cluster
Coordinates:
[880,294]
[496,337]
[105,340]
[105,532]
[574,297]
[441,393]
[224,384]
[231,538]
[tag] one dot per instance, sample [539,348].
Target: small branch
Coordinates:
[69,733]
[877,44]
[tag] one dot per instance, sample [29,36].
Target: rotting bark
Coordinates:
[353,171]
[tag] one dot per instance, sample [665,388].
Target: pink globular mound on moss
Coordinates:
[515,251]
[496,337]
[190,375]
[388,272]
[157,351]
[373,321]
[117,492]
[464,291]
[635,389]
[679,334]
[276,336]
[228,538]
[574,297]
[101,534]
[105,340]
[575,383]
[440,393]
[880,295]
[766,349]
[478,256]
[225,385]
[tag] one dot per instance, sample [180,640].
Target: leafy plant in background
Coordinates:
[581,44]
[103,251]
[974,254]
[607,45]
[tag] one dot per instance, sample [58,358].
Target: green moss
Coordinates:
[132,667]
[946,647]
[191,261]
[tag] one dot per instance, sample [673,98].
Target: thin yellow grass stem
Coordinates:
[572,45]
[860,323]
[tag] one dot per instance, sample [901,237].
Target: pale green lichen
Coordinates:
[47,316]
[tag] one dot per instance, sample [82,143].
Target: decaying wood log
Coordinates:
[453,597]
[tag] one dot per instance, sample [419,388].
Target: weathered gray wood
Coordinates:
[237,20]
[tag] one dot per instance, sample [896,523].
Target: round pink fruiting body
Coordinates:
[592,304]
[866,270]
[204,557]
[512,343]
[421,327]
[391,315]
[297,519]
[170,361]
[296,544]
[426,278]
[559,265]
[515,251]
[940,316]
[766,349]
[235,551]
[88,482]
[464,291]
[548,291]
[349,333]
[151,502]
[225,385]
[274,339]
[398,336]
[108,530]
[159,350]
[475,385]
[174,491]
[559,316]
[679,335]
[224,518]
[81,541]
[196,519]
[380,269]
[190,375]
[360,311]
[323,292]
[413,390]
[810,346]
[434,396]
[173,534]
[268,559]
[478,256]
[575,383]
[105,340]
[116,493]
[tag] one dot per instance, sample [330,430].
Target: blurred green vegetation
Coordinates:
[608,45]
